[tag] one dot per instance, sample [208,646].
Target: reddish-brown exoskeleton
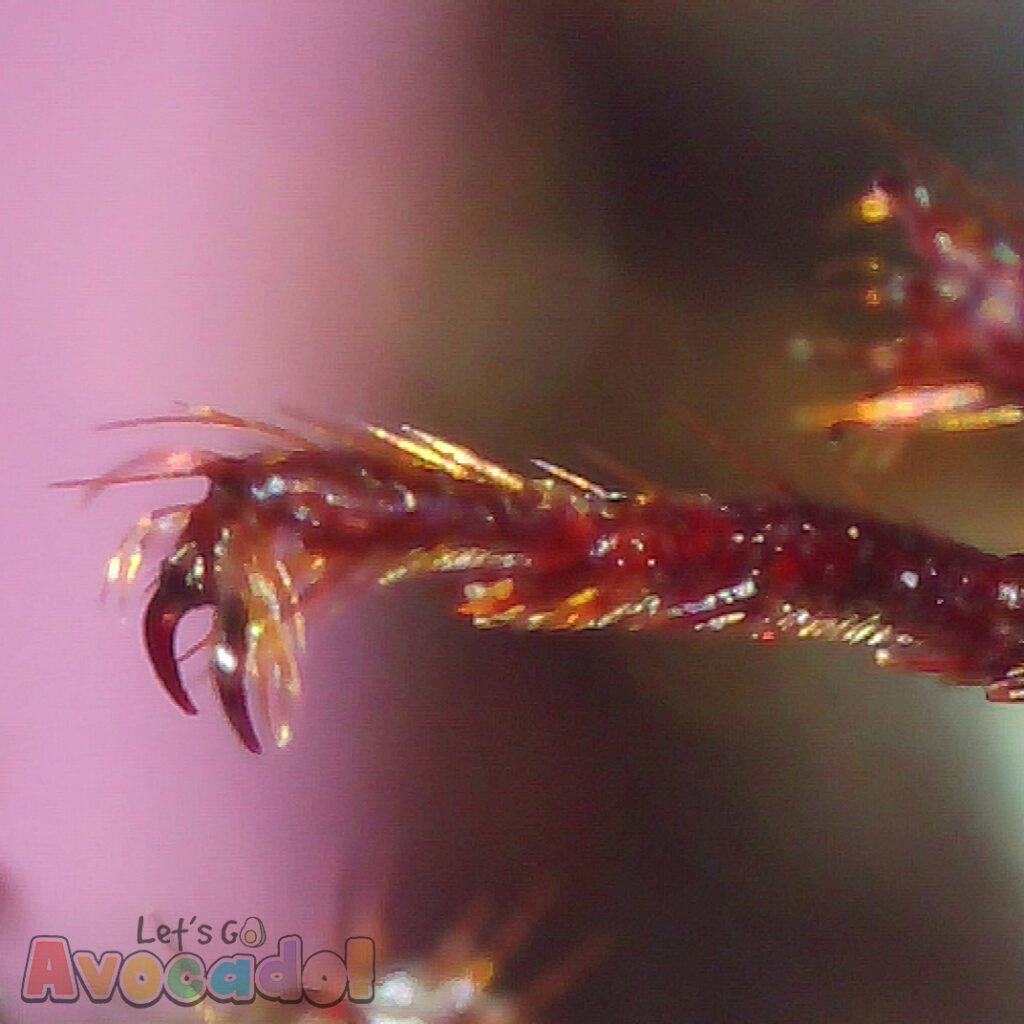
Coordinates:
[278,527]
[956,361]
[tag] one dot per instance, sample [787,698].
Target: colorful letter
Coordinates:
[185,979]
[231,979]
[324,978]
[360,955]
[48,972]
[140,979]
[99,978]
[278,977]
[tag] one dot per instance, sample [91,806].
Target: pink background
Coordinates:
[217,203]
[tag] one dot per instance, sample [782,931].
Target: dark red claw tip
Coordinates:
[229,671]
[161,622]
[231,690]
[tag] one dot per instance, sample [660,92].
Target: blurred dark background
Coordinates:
[632,218]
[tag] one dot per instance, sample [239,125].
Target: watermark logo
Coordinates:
[55,973]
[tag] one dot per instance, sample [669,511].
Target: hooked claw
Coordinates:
[174,598]
[228,668]
[180,591]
